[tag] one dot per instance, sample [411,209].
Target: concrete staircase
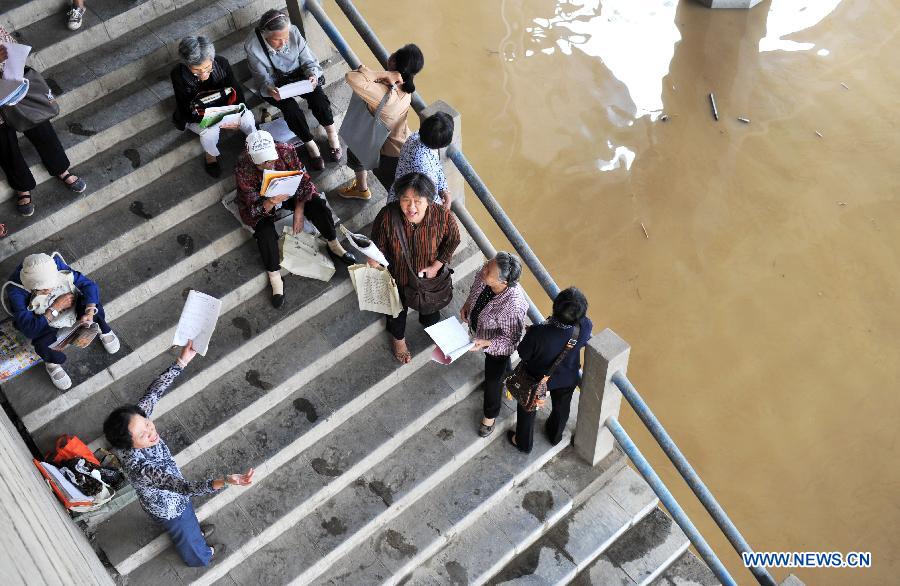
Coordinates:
[367,472]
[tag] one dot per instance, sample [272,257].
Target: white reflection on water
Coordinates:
[787,17]
[635,39]
[622,155]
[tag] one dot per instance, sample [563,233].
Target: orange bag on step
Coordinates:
[69,447]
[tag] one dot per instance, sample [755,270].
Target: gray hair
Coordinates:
[273,21]
[510,268]
[195,50]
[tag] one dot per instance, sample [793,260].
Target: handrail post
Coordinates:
[605,354]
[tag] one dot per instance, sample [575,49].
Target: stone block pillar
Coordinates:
[455,182]
[730,3]
[605,355]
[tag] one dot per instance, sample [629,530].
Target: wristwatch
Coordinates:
[54,313]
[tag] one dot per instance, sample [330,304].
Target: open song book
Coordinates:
[452,339]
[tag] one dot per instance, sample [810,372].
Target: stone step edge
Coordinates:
[93,37]
[149,350]
[302,443]
[30,12]
[667,563]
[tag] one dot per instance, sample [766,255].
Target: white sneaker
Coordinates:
[59,377]
[76,15]
[110,342]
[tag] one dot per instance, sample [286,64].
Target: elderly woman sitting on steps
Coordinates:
[203,79]
[46,295]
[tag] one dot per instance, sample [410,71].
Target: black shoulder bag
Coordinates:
[529,390]
[424,295]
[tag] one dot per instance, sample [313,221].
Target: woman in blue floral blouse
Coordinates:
[160,486]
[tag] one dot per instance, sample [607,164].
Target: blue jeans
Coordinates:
[188,540]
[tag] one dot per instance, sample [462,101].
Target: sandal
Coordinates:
[402,356]
[78,185]
[24,204]
[3,231]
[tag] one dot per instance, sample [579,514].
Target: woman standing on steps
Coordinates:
[45,141]
[161,488]
[371,86]
[495,311]
[203,79]
[278,55]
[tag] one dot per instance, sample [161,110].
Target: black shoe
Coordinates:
[277,301]
[207,530]
[486,430]
[219,551]
[213,169]
[511,438]
[347,258]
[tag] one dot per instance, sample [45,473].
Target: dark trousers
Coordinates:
[397,325]
[560,403]
[387,168]
[318,104]
[43,341]
[188,538]
[315,210]
[495,369]
[47,144]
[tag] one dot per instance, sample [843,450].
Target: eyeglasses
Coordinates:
[198,71]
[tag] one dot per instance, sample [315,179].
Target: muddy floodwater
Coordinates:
[763,303]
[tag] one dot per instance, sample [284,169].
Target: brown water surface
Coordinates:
[762,309]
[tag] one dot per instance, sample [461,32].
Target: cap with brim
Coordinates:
[39,272]
[261,147]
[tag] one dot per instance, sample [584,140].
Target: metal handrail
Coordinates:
[678,514]
[691,478]
[552,289]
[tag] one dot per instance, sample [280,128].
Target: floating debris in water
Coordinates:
[845,86]
[664,117]
[744,120]
[842,203]
[645,231]
[712,102]
[819,134]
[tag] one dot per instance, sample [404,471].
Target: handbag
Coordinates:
[226,96]
[68,447]
[363,131]
[303,254]
[423,295]
[38,105]
[530,390]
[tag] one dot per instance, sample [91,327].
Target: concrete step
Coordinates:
[641,556]
[344,402]
[17,14]
[590,530]
[688,570]
[147,328]
[524,515]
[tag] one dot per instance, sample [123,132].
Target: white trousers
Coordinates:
[209,137]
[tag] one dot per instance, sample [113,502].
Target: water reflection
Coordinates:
[635,40]
[622,156]
[787,17]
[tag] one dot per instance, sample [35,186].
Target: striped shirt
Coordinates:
[434,238]
[502,320]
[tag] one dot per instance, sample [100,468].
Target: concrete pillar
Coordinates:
[604,355]
[455,182]
[730,3]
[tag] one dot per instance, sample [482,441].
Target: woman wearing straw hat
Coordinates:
[47,295]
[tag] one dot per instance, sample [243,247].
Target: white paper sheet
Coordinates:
[198,320]
[452,339]
[16,54]
[298,88]
[371,250]
[279,130]
[283,186]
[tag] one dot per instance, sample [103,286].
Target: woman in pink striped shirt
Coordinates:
[495,311]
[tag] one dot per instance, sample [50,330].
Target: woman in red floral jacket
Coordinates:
[259,213]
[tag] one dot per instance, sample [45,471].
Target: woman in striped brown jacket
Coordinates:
[432,234]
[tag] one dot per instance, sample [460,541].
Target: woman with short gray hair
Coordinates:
[203,80]
[278,55]
[495,311]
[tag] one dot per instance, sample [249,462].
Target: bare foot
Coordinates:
[401,352]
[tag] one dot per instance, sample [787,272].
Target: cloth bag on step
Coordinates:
[305,255]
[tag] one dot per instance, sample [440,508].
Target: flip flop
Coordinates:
[402,356]
[3,231]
